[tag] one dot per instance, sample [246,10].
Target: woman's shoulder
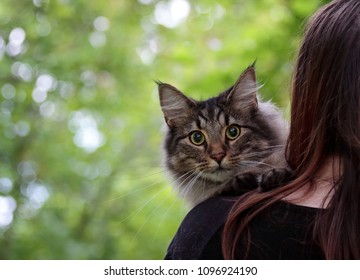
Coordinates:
[214,207]
[198,228]
[199,235]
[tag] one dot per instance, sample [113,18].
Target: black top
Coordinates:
[283,231]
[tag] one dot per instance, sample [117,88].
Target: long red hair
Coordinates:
[325,121]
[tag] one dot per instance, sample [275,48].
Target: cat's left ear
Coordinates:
[174,104]
[243,95]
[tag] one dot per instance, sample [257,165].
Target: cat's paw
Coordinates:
[247,181]
[275,177]
[240,184]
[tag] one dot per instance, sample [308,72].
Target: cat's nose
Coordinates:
[218,157]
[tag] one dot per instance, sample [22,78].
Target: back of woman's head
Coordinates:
[325,121]
[325,113]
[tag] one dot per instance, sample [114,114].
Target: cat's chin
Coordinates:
[219,175]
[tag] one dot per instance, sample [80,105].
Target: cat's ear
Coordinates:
[174,104]
[243,95]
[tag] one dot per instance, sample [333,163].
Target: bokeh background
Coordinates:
[80,125]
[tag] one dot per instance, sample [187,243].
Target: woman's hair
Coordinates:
[325,122]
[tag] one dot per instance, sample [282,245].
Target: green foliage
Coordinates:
[80,168]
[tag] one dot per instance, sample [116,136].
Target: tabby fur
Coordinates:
[220,161]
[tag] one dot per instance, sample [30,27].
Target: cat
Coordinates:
[223,144]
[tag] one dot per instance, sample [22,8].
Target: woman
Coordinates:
[317,215]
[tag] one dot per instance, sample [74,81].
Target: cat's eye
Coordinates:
[197,138]
[232,132]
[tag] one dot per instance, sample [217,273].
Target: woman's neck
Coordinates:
[319,191]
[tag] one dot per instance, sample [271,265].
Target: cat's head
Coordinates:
[209,141]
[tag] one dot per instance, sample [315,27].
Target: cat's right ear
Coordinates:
[174,104]
[243,95]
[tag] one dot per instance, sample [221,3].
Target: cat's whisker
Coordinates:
[249,165]
[257,163]
[137,190]
[192,179]
[258,154]
[148,219]
[203,185]
[255,154]
[253,164]
[277,146]
[149,175]
[164,216]
[139,209]
[148,202]
[143,177]
[274,147]
[179,180]
[178,176]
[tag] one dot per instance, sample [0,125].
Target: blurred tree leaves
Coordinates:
[80,172]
